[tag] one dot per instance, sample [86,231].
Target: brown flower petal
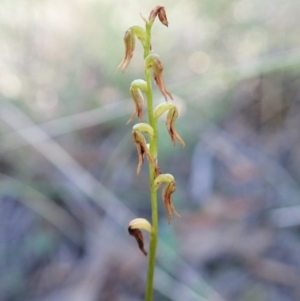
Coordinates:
[167,192]
[138,235]
[141,153]
[170,122]
[161,13]
[129,41]
[157,75]
[162,16]
[137,96]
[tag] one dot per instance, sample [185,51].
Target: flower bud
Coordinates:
[153,63]
[129,41]
[167,192]
[161,13]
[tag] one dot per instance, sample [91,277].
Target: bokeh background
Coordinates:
[68,186]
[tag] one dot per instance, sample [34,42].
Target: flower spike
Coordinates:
[136,88]
[153,62]
[167,192]
[129,41]
[134,230]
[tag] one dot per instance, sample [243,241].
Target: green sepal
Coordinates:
[143,128]
[151,59]
[162,108]
[140,33]
[163,178]
[139,84]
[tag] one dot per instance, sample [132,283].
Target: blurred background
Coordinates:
[68,184]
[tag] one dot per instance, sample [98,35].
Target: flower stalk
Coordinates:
[153,67]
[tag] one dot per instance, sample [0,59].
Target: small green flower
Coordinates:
[153,63]
[142,149]
[167,192]
[170,121]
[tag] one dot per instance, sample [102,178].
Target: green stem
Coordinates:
[153,151]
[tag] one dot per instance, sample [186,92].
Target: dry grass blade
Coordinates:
[67,124]
[43,206]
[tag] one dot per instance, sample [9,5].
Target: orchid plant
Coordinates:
[143,132]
